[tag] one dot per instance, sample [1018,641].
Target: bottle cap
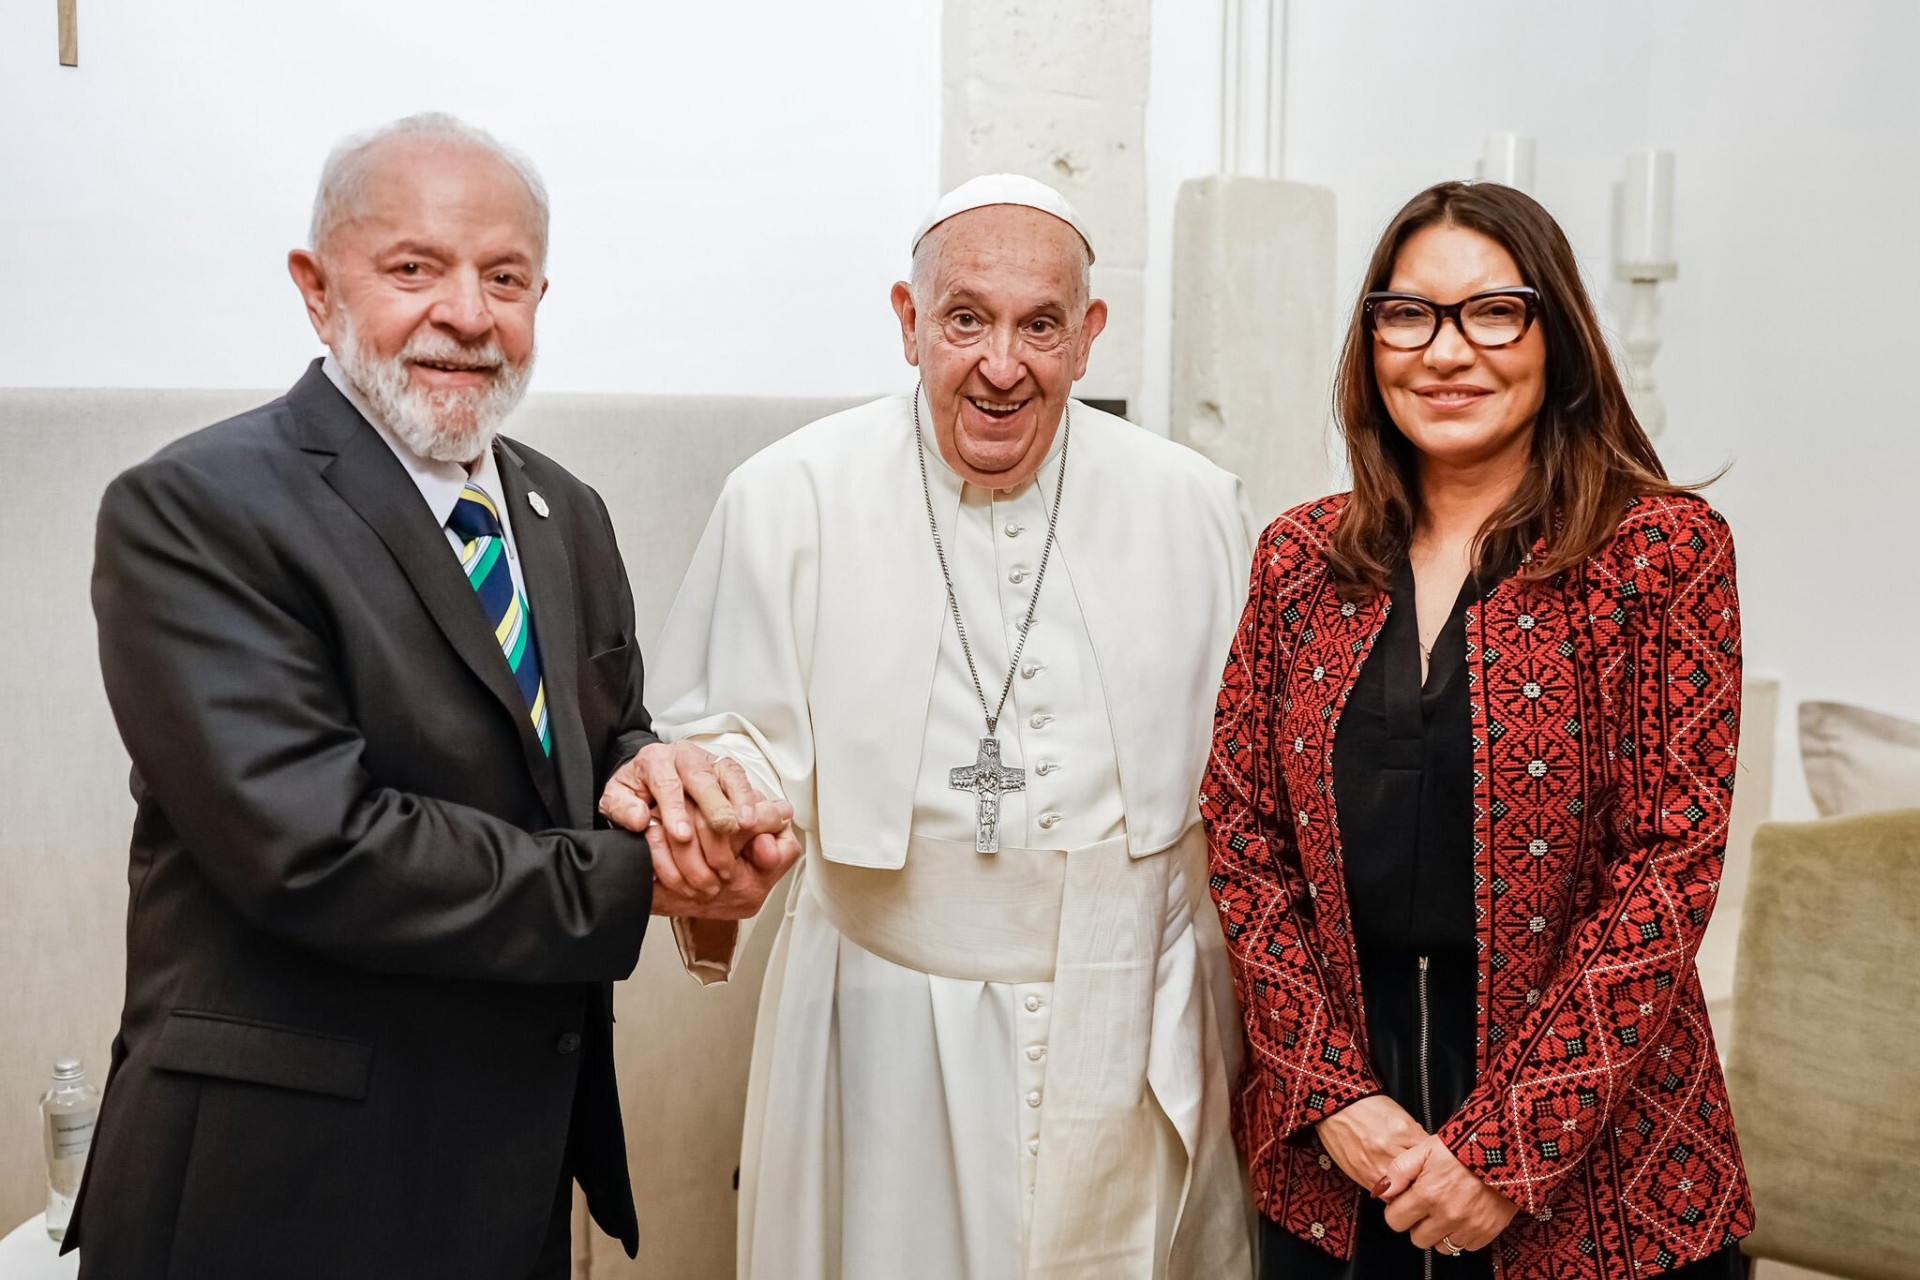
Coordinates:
[67,1069]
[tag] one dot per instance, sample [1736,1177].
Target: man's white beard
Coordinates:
[456,424]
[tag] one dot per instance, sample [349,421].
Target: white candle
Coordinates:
[1646,210]
[1507,158]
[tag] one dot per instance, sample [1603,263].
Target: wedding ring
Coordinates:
[1448,1247]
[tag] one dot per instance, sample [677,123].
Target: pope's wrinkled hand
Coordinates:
[1432,1197]
[763,860]
[696,848]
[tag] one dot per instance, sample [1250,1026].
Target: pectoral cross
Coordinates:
[988,779]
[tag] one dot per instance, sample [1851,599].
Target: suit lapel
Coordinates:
[550,594]
[371,480]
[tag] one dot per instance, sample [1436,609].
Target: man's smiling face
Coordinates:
[426,291]
[998,322]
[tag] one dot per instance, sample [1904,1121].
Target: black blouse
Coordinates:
[1403,785]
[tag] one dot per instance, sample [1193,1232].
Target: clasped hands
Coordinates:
[715,858]
[1430,1195]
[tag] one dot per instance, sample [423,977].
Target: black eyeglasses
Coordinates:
[1409,322]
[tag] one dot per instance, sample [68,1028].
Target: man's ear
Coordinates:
[909,320]
[310,277]
[1090,328]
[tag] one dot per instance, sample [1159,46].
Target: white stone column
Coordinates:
[1253,322]
[1057,90]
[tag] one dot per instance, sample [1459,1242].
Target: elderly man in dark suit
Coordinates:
[374,666]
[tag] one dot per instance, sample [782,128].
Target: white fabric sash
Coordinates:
[1093,922]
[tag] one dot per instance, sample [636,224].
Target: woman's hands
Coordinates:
[1364,1137]
[1431,1196]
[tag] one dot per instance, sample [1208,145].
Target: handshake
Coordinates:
[718,845]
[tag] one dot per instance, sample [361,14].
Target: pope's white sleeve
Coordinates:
[731,667]
[1249,531]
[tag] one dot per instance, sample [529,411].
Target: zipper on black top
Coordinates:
[1426,1090]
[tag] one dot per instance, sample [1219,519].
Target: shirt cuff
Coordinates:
[707,948]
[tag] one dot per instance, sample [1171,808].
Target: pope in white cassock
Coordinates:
[974,634]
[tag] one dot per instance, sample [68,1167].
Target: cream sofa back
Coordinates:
[658,461]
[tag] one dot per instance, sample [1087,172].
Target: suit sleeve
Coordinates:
[1303,1041]
[218,670]
[1543,1102]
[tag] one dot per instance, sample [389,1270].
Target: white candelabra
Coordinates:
[1643,257]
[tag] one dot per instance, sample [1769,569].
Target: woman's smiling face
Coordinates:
[1460,405]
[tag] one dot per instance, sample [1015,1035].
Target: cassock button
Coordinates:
[1033,1146]
[1048,821]
[1036,1052]
[1015,530]
[1040,721]
[1033,1004]
[1033,1099]
[569,1042]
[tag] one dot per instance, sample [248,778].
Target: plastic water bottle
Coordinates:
[71,1108]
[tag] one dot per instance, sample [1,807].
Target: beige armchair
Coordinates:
[1824,1067]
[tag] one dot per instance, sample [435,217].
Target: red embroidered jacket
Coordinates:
[1606,709]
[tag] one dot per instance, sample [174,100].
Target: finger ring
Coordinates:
[1448,1247]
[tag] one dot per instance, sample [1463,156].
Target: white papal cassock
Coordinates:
[966,1066]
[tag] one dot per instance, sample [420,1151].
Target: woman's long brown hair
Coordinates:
[1590,455]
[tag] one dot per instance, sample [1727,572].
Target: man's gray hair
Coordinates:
[927,253]
[343,181]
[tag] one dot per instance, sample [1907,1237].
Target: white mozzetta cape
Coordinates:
[804,639]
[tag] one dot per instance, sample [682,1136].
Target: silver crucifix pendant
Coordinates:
[988,779]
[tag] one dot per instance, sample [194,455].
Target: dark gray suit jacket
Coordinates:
[372,926]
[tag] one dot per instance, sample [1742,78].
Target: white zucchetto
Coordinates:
[1003,188]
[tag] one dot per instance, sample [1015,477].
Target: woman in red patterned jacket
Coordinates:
[1468,795]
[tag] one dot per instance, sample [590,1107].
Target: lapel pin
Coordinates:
[538,503]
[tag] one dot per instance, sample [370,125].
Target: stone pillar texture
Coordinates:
[1253,318]
[1057,90]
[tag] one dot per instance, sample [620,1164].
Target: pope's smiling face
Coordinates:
[998,322]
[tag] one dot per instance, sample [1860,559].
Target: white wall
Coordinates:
[733,184]
[1798,136]
[1798,129]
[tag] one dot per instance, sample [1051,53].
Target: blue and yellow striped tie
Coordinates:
[476,521]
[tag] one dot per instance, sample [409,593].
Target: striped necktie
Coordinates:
[476,521]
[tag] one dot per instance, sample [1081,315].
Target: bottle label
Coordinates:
[72,1133]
